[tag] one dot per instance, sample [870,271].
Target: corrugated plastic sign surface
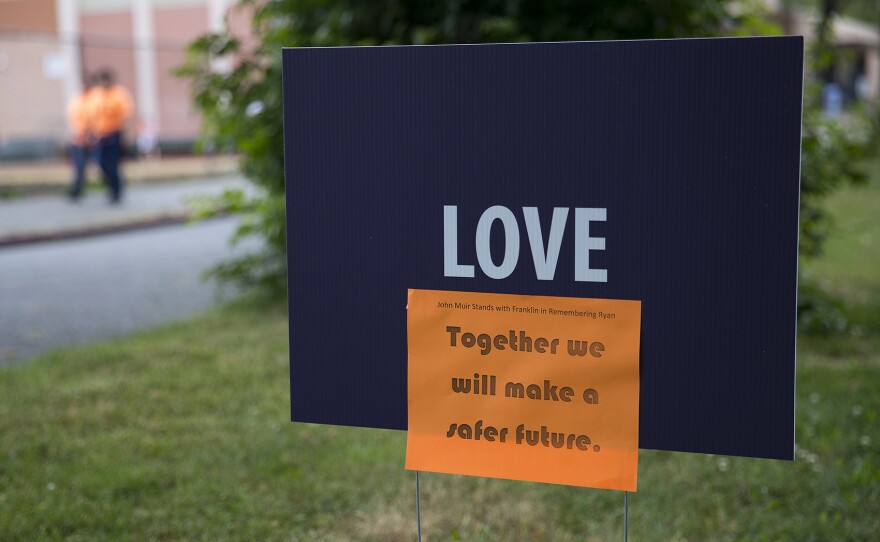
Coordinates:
[659,171]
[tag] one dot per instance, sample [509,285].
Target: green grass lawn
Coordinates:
[181,433]
[849,271]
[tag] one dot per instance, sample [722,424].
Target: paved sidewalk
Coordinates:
[44,177]
[51,217]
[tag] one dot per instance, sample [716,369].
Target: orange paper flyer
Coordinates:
[542,389]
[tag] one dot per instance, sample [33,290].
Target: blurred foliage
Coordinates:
[833,155]
[242,105]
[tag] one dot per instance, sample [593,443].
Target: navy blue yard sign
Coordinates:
[663,171]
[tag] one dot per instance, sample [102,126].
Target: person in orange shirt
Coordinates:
[110,107]
[78,114]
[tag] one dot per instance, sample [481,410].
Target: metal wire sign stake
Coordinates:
[418,508]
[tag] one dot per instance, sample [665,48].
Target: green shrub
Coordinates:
[242,107]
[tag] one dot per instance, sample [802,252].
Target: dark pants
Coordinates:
[109,154]
[79,155]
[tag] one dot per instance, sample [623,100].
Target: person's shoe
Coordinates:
[73,195]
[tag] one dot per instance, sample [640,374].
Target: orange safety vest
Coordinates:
[110,108]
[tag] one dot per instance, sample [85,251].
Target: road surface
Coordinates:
[78,291]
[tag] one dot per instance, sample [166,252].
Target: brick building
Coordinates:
[45,46]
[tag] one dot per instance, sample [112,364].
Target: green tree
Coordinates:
[834,153]
[242,108]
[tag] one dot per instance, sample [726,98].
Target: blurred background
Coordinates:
[47,45]
[143,345]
